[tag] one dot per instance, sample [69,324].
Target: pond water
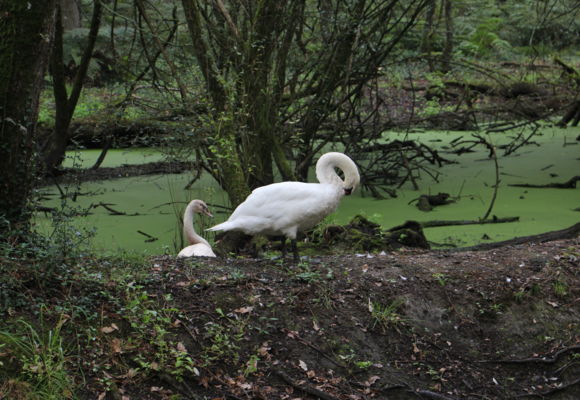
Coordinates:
[158,201]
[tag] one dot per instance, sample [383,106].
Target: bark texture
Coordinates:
[26,29]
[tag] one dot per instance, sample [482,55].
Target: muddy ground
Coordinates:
[410,324]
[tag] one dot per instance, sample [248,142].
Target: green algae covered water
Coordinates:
[154,204]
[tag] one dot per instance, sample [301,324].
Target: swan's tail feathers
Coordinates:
[224,226]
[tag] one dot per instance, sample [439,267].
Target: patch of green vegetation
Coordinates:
[224,337]
[560,288]
[151,324]
[489,310]
[324,295]
[305,273]
[35,361]
[95,104]
[440,278]
[385,315]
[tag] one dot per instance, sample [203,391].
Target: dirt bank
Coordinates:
[495,324]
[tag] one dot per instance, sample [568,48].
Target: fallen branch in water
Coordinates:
[569,184]
[494,220]
[148,236]
[112,211]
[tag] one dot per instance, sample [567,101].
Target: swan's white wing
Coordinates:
[283,208]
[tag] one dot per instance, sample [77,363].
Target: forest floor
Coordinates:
[408,324]
[495,324]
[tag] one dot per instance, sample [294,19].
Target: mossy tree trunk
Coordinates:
[242,63]
[26,29]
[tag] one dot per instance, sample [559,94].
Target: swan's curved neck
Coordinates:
[325,172]
[188,230]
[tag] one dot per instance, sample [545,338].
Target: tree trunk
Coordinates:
[223,157]
[448,47]
[26,29]
[428,32]
[55,147]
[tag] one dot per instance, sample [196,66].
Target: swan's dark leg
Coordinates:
[283,247]
[295,251]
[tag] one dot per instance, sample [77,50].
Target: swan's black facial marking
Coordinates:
[205,210]
[347,191]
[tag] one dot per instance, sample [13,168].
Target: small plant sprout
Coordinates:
[440,278]
[560,289]
[385,315]
[363,365]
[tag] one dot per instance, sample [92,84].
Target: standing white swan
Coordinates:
[287,208]
[198,245]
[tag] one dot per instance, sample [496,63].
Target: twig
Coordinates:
[181,387]
[109,209]
[304,388]
[307,343]
[114,390]
[491,148]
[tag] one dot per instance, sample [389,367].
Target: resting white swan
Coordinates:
[287,208]
[198,245]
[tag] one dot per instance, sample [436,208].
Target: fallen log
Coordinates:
[569,184]
[494,220]
[567,233]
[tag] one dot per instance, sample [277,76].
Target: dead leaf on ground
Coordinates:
[108,329]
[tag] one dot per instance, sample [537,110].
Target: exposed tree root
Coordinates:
[432,395]
[542,360]
[304,388]
[551,391]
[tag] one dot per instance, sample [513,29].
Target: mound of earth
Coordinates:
[409,324]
